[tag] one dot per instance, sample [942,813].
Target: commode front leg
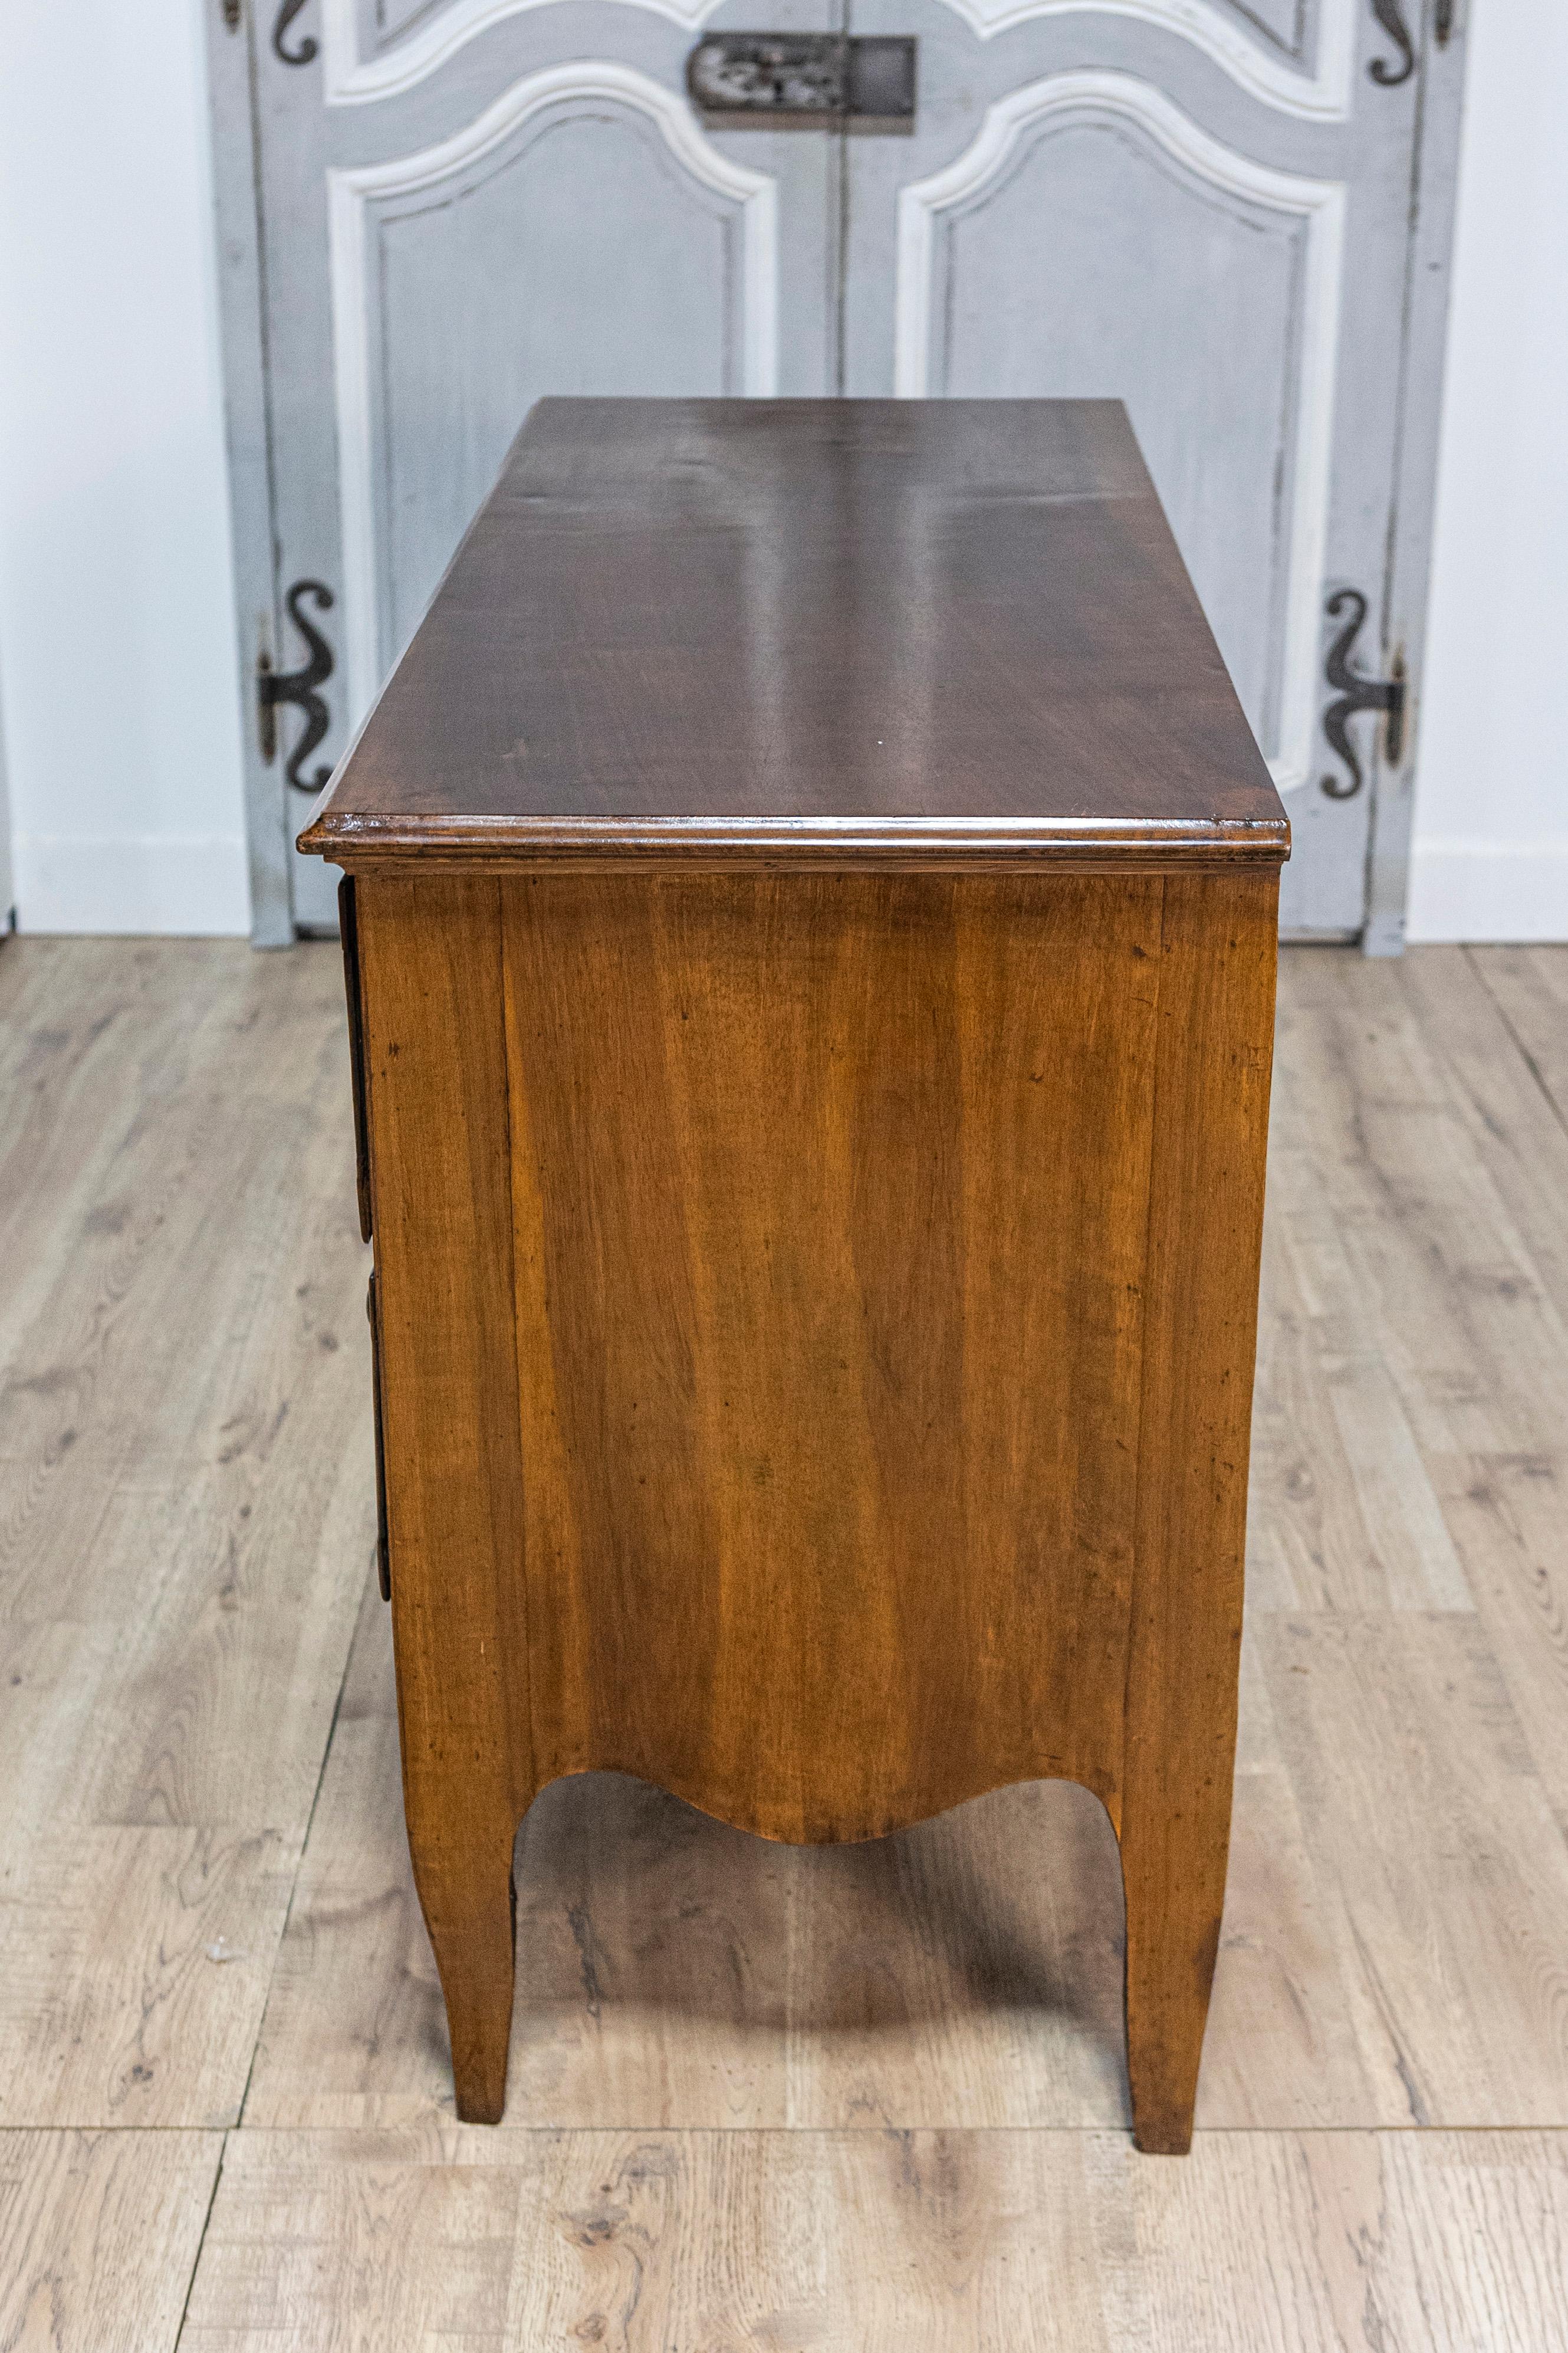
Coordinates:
[1174,1841]
[431,978]
[1200,1326]
[466,1895]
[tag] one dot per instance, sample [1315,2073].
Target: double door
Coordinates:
[1233,217]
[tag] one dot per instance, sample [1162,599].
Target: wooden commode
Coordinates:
[810,922]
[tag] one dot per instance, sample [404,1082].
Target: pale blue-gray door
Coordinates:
[1204,207]
[468,204]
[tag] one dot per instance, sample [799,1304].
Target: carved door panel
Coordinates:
[1204,207]
[466,205]
[1234,213]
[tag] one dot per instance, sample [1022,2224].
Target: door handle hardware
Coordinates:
[1393,25]
[233,12]
[1443,23]
[298,686]
[1354,693]
[307,49]
[803,82]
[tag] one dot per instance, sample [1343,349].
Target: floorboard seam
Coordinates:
[760,2132]
[1559,1113]
[844,2132]
[201,2242]
[299,1864]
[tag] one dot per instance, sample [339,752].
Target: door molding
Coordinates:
[237,63]
[1321,204]
[236,168]
[1321,96]
[349,80]
[351,192]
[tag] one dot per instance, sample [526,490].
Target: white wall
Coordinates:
[116,635]
[1490,854]
[116,631]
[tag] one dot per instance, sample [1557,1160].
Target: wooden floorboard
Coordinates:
[955,2242]
[1529,989]
[98,2236]
[762,2096]
[186,1517]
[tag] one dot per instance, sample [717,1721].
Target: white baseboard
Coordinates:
[195,885]
[187,884]
[1488,890]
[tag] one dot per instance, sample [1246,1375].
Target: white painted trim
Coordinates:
[350,80]
[181,885]
[1488,891]
[1323,96]
[350,193]
[1321,203]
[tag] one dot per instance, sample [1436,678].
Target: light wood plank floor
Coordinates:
[763,2098]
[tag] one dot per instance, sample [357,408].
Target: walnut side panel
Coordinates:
[831,1204]
[1215,1053]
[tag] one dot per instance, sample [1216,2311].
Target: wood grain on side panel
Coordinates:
[831,1202]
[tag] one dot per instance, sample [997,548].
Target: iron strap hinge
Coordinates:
[304,49]
[1387,76]
[298,687]
[1354,693]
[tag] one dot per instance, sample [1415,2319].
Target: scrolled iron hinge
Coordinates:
[1389,77]
[1354,693]
[307,49]
[298,686]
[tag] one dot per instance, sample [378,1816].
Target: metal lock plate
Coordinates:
[803,82]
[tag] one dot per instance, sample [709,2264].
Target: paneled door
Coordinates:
[1212,209]
[463,204]
[1233,214]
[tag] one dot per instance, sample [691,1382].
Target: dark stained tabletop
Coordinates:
[748,629]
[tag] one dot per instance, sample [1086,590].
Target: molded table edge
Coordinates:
[509,842]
